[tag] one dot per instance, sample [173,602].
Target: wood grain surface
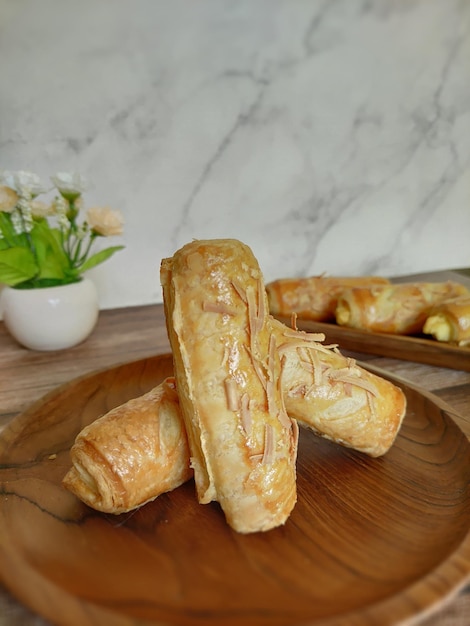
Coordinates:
[419,349]
[367,538]
[436,559]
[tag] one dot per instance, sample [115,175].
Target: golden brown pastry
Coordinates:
[241,373]
[315,297]
[399,309]
[243,445]
[450,321]
[132,454]
[326,391]
[335,397]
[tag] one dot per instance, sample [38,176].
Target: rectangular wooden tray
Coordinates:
[417,349]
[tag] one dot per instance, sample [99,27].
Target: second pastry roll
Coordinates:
[398,309]
[132,454]
[139,450]
[243,445]
[335,397]
[450,321]
[313,297]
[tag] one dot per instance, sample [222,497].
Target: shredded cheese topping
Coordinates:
[232,395]
[245,414]
[268,454]
[217,307]
[239,289]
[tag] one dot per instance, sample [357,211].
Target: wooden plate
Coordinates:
[417,349]
[370,541]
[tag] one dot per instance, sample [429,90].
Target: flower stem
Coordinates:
[84,256]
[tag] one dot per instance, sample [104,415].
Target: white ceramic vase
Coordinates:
[50,318]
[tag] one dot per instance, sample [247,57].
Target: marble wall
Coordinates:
[330,136]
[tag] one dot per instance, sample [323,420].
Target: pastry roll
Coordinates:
[335,397]
[398,309]
[315,297]
[132,454]
[326,391]
[243,445]
[450,321]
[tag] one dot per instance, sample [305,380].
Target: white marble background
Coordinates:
[330,136]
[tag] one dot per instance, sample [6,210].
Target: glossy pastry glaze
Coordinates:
[335,397]
[450,321]
[132,454]
[324,390]
[243,445]
[315,297]
[244,379]
[398,309]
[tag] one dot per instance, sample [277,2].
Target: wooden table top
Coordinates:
[129,334]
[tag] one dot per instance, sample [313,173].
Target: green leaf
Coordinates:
[50,267]
[16,266]
[98,258]
[52,261]
[42,234]
[42,283]
[8,232]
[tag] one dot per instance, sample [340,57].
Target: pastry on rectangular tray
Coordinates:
[313,298]
[398,309]
[450,321]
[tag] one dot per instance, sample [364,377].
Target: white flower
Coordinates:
[38,261]
[7,178]
[17,222]
[24,183]
[25,210]
[28,184]
[105,221]
[22,221]
[70,185]
[60,204]
[63,221]
[8,199]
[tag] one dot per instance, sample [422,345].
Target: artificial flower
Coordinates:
[44,243]
[104,221]
[8,199]
[7,178]
[69,185]
[42,209]
[28,184]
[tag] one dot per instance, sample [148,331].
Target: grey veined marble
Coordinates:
[330,136]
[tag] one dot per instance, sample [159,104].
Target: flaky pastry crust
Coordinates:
[132,454]
[243,445]
[450,321]
[335,397]
[314,297]
[243,379]
[399,309]
[325,391]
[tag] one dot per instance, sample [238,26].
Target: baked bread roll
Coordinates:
[398,309]
[450,321]
[326,391]
[335,397]
[132,454]
[243,445]
[315,297]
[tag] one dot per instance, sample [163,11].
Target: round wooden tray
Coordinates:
[370,541]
